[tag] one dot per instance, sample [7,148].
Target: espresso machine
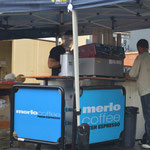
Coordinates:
[66,62]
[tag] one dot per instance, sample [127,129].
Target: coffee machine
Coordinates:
[66,62]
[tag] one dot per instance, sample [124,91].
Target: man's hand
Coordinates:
[126,75]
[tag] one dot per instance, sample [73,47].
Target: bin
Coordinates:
[130,127]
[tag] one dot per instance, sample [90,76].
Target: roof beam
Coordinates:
[43,18]
[126,9]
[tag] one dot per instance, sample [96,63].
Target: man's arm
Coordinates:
[52,63]
[134,72]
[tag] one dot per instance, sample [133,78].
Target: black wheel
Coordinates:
[37,146]
[11,143]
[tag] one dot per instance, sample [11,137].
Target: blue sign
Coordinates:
[103,110]
[37,114]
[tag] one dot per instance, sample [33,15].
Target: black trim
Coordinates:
[103,87]
[29,33]
[14,90]
[124,91]
[81,91]
[74,125]
[78,112]
[122,133]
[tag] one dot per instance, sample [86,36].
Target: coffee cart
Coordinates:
[47,111]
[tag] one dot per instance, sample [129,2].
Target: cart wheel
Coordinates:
[37,146]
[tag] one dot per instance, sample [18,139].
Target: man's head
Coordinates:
[142,46]
[67,40]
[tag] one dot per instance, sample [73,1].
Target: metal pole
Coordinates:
[57,40]
[76,61]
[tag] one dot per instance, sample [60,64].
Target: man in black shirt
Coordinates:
[54,57]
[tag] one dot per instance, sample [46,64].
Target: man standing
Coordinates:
[141,71]
[54,57]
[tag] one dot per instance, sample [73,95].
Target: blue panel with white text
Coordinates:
[103,110]
[37,114]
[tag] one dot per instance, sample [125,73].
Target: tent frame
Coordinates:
[76,62]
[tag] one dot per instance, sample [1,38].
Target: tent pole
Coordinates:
[76,62]
[57,40]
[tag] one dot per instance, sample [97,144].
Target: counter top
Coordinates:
[70,77]
[6,86]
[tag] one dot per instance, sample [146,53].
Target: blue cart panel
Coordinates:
[103,110]
[38,113]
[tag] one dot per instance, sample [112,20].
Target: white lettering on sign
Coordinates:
[31,112]
[106,108]
[39,114]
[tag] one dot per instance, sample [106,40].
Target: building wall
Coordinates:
[5,57]
[30,57]
[83,40]
[129,59]
[137,35]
